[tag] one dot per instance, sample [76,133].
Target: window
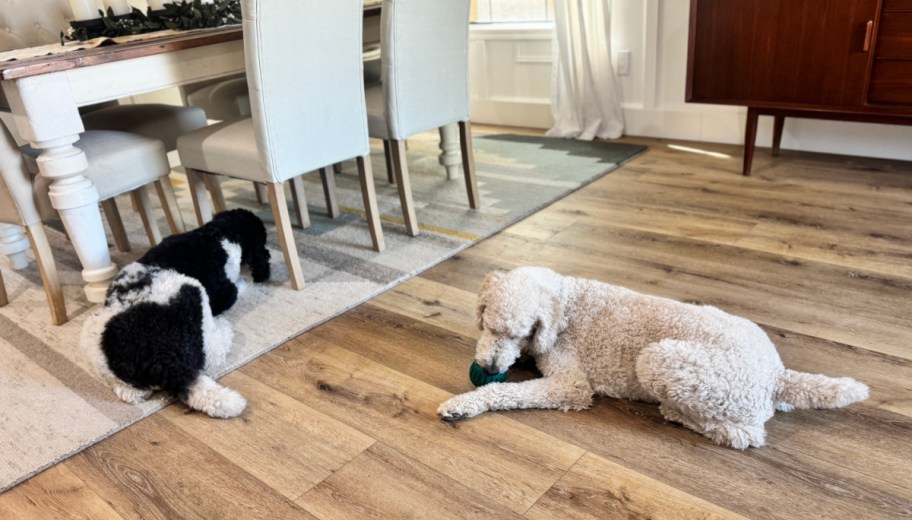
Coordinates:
[494,11]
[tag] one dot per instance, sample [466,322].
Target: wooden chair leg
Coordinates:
[337,167]
[198,194]
[468,163]
[286,238]
[388,156]
[4,299]
[328,177]
[261,195]
[405,187]
[169,205]
[778,125]
[48,269]
[370,202]
[143,204]
[112,215]
[299,202]
[214,184]
[750,137]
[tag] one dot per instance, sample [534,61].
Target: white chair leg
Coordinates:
[169,205]
[468,163]
[198,194]
[286,238]
[299,201]
[328,177]
[48,269]
[370,202]
[405,187]
[214,183]
[112,215]
[143,204]
[14,244]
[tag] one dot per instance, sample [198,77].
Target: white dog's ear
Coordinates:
[489,286]
[550,323]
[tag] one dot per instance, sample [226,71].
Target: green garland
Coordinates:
[176,16]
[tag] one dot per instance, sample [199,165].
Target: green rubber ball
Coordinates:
[479,377]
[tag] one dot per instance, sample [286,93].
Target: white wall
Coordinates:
[510,88]
[510,74]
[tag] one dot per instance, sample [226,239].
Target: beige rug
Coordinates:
[51,406]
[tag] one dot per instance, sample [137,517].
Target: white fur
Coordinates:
[214,399]
[715,373]
[233,264]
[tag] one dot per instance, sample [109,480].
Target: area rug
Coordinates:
[51,404]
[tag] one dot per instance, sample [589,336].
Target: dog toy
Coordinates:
[479,377]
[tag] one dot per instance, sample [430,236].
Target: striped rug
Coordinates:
[51,405]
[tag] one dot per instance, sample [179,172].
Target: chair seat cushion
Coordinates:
[227,148]
[118,162]
[227,100]
[152,120]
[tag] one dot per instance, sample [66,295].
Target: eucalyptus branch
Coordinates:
[176,16]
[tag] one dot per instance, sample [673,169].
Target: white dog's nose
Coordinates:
[490,370]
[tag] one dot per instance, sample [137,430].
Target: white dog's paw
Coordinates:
[129,394]
[230,404]
[242,285]
[460,407]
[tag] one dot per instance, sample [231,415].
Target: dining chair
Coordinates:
[424,85]
[118,163]
[307,110]
[30,23]
[229,100]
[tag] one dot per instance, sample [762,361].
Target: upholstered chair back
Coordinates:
[27,23]
[424,54]
[17,203]
[304,71]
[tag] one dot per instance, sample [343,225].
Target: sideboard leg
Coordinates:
[778,123]
[750,137]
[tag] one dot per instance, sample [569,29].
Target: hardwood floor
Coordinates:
[341,420]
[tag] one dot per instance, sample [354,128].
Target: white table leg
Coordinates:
[14,244]
[46,115]
[450,152]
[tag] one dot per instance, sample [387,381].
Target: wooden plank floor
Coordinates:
[341,421]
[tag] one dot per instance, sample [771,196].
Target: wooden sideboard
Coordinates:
[847,60]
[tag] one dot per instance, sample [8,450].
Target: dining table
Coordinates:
[43,92]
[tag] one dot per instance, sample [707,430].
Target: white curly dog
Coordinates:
[715,373]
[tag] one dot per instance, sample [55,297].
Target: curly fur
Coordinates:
[713,372]
[158,328]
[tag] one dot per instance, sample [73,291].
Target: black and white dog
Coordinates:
[158,328]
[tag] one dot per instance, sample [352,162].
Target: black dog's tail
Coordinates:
[213,399]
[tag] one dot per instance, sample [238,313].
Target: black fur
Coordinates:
[151,346]
[154,344]
[199,254]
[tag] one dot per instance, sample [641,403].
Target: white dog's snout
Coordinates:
[495,354]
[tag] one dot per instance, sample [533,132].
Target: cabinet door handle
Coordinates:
[869,31]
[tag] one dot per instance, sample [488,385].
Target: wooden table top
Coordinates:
[107,53]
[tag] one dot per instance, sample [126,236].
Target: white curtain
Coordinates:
[585,94]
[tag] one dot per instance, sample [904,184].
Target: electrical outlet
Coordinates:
[623,63]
